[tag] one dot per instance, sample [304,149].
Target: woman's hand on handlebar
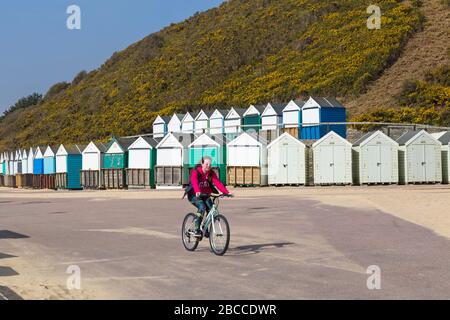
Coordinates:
[223,195]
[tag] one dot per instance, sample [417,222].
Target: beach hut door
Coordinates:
[292,164]
[386,163]
[374,159]
[419,162]
[338,164]
[430,163]
[326,163]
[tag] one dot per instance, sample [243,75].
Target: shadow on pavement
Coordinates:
[8,294]
[6,256]
[257,248]
[7,272]
[6,234]
[414,260]
[36,202]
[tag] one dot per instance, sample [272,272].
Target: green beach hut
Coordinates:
[213,146]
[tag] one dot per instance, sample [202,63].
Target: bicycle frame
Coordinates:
[214,212]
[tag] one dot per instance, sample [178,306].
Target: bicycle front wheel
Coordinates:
[190,242]
[219,235]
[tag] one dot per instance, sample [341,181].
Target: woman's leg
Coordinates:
[201,209]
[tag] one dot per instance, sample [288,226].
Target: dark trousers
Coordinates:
[202,205]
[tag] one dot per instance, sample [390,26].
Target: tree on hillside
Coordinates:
[56,89]
[25,102]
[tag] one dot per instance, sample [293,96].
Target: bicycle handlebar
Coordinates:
[214,196]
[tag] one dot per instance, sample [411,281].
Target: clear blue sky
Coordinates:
[37,50]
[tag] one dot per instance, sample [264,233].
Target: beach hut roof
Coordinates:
[363,138]
[162,119]
[286,134]
[367,137]
[277,108]
[191,115]
[259,108]
[208,114]
[183,139]
[149,140]
[206,140]
[219,113]
[72,149]
[179,116]
[327,102]
[239,111]
[409,136]
[331,133]
[445,138]
[50,150]
[245,139]
[40,150]
[294,104]
[123,143]
[98,145]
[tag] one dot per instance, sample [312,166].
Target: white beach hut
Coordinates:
[92,163]
[31,160]
[15,162]
[247,161]
[292,117]
[172,160]
[287,161]
[188,123]
[272,116]
[217,121]
[233,121]
[174,124]
[375,159]
[160,126]
[332,156]
[25,162]
[141,163]
[19,161]
[419,158]
[202,122]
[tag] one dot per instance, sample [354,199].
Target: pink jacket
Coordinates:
[203,186]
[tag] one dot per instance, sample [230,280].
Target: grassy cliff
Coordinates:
[239,53]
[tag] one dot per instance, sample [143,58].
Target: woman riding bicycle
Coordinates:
[202,183]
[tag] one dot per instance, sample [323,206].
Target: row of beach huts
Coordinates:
[301,119]
[245,160]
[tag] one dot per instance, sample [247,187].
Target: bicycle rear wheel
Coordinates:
[190,242]
[219,235]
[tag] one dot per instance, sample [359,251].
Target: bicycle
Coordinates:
[219,230]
